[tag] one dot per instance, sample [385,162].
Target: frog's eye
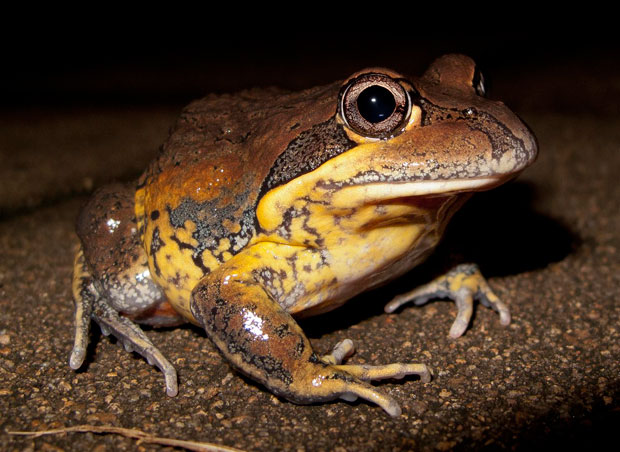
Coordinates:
[375,105]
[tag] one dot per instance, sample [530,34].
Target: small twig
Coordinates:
[141,436]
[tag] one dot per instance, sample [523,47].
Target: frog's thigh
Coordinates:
[258,337]
[90,303]
[462,284]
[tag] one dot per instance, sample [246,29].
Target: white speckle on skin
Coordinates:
[112,225]
[254,325]
[142,276]
[318,381]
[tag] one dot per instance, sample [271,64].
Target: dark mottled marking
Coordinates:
[208,312]
[197,259]
[292,261]
[300,348]
[196,255]
[271,282]
[314,359]
[341,376]
[308,151]
[272,367]
[154,215]
[209,218]
[156,244]
[313,201]
[176,280]
[282,331]
[182,245]
[287,219]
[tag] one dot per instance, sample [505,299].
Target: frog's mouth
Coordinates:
[377,192]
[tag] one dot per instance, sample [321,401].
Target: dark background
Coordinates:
[110,58]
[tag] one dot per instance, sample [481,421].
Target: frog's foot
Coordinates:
[133,339]
[341,351]
[462,284]
[345,348]
[364,372]
[383,372]
[88,304]
[349,382]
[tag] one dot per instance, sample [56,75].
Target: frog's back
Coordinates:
[195,204]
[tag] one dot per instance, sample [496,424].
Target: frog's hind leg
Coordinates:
[259,338]
[84,296]
[463,284]
[90,305]
[134,339]
[112,284]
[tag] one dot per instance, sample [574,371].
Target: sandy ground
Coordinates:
[548,243]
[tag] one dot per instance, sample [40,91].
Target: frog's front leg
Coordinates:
[259,338]
[463,284]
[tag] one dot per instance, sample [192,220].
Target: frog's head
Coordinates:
[395,137]
[434,135]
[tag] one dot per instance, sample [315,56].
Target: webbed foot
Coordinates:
[345,348]
[133,339]
[364,373]
[462,284]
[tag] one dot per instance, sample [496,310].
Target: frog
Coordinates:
[267,206]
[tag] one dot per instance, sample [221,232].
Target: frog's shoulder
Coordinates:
[241,134]
[219,156]
[233,139]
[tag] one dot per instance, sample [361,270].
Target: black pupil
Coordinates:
[376,104]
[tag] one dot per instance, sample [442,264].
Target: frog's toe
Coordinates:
[367,392]
[341,351]
[84,297]
[387,371]
[80,341]
[488,298]
[345,349]
[133,339]
[465,308]
[334,382]
[463,284]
